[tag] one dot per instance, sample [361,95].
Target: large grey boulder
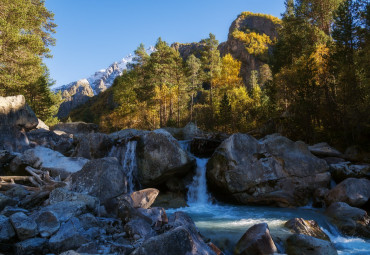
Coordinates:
[94,145]
[299,244]
[186,133]
[58,141]
[5,158]
[351,221]
[324,150]
[24,226]
[49,160]
[47,223]
[69,237]
[62,194]
[355,192]
[344,170]
[176,241]
[159,156]
[5,201]
[64,210]
[16,117]
[257,240]
[6,229]
[139,228]
[102,178]
[32,246]
[272,171]
[306,227]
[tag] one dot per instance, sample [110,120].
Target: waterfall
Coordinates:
[127,157]
[197,190]
[197,193]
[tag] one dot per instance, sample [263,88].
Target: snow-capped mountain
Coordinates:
[78,92]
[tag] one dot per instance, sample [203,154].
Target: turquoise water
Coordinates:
[225,224]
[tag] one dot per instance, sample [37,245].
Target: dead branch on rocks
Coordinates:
[38,180]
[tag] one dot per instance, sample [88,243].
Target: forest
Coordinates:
[314,84]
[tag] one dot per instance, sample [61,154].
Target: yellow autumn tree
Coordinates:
[229,77]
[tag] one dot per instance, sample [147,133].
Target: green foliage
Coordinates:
[319,72]
[26,27]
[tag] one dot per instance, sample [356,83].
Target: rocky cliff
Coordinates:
[248,32]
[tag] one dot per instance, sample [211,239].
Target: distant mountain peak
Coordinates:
[78,92]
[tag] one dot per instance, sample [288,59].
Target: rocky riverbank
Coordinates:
[74,190]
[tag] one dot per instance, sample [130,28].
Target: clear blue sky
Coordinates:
[92,34]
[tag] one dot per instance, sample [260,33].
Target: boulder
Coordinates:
[5,158]
[92,146]
[272,171]
[186,133]
[5,201]
[127,134]
[176,241]
[6,229]
[351,221]
[344,170]
[17,193]
[257,240]
[69,237]
[324,150]
[24,226]
[139,228]
[10,210]
[299,244]
[76,128]
[190,131]
[47,223]
[32,246]
[101,178]
[157,215]
[355,192]
[159,157]
[62,194]
[306,227]
[64,210]
[58,141]
[46,159]
[144,198]
[319,196]
[16,117]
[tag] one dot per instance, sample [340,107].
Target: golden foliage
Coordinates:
[255,43]
[274,19]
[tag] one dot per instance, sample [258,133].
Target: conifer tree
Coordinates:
[193,65]
[26,28]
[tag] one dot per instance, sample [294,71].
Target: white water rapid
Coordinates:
[127,157]
[225,223]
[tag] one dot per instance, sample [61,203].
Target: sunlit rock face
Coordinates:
[237,48]
[272,171]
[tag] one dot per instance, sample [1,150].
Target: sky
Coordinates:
[92,34]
